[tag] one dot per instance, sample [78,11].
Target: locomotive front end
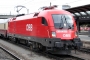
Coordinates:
[65,32]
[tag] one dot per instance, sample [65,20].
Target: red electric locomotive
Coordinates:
[51,29]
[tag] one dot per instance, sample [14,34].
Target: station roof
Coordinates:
[80,11]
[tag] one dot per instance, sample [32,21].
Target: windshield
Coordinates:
[62,21]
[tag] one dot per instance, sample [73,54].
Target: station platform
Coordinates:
[84,33]
[84,38]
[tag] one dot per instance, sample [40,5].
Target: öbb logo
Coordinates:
[66,35]
[29,27]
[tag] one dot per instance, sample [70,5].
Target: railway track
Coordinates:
[9,53]
[24,57]
[86,50]
[83,52]
[61,57]
[50,56]
[86,47]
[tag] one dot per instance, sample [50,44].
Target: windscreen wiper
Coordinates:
[60,26]
[67,23]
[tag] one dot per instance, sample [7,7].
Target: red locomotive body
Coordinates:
[53,30]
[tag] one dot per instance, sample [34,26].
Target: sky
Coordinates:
[9,6]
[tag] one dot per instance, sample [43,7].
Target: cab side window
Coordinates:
[44,22]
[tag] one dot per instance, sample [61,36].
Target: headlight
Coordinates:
[53,34]
[76,34]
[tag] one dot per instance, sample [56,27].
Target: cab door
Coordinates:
[43,28]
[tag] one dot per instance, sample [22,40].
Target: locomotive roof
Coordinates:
[54,11]
[40,14]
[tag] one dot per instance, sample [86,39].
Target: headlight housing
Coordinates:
[53,34]
[76,34]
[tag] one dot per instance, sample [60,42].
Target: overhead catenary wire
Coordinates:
[31,1]
[73,1]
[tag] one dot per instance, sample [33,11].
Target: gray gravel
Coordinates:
[5,56]
[22,53]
